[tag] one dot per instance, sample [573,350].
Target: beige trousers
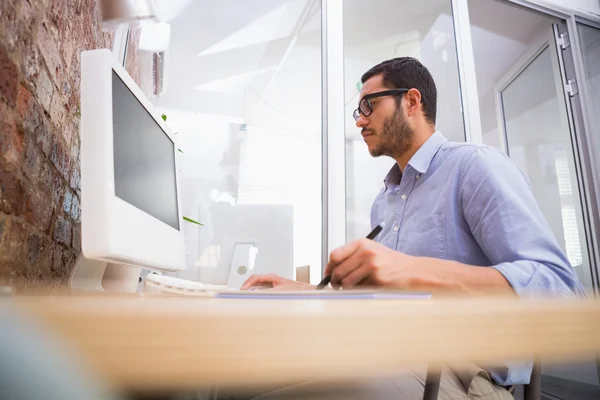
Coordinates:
[469,383]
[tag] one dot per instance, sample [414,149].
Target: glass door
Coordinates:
[536,125]
[535,130]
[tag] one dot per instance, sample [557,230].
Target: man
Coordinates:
[458,217]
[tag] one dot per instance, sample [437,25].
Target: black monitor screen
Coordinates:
[144,158]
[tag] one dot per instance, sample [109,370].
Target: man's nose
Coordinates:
[362,121]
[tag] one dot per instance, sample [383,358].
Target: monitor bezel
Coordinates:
[112,229]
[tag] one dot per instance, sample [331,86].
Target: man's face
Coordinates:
[386,130]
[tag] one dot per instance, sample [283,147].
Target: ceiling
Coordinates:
[223,52]
[501,34]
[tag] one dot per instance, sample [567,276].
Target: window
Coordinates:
[241,86]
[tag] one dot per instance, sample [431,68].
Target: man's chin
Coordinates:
[375,152]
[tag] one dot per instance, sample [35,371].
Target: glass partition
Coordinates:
[240,83]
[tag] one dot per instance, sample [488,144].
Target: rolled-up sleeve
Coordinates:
[505,220]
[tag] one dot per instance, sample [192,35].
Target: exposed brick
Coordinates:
[76,237]
[75,181]
[67,46]
[74,213]
[38,208]
[67,202]
[11,145]
[18,27]
[23,102]
[8,10]
[63,262]
[31,163]
[62,231]
[36,126]
[29,111]
[57,188]
[65,90]
[60,158]
[9,79]
[67,131]
[10,25]
[40,46]
[41,256]
[46,176]
[13,242]
[57,16]
[34,245]
[43,136]
[75,143]
[73,101]
[31,61]
[11,194]
[2,225]
[44,89]
[58,112]
[47,38]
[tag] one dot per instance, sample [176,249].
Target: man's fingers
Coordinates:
[259,280]
[356,277]
[346,267]
[340,254]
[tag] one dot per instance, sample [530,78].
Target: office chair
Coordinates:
[531,391]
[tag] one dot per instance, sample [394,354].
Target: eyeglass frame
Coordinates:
[367,97]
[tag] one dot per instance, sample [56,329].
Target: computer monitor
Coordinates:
[240,240]
[131,211]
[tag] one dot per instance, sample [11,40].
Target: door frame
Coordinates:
[540,43]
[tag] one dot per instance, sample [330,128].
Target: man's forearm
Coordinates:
[442,275]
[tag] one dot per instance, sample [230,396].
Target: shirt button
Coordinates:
[403,197]
[418,176]
[395,229]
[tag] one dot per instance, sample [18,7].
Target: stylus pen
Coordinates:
[370,236]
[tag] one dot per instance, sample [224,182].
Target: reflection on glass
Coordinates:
[243,92]
[539,142]
[424,30]
[589,39]
[501,34]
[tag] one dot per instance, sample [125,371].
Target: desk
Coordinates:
[167,343]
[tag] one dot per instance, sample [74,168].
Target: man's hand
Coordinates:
[367,263]
[272,281]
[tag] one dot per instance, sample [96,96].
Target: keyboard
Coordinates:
[183,286]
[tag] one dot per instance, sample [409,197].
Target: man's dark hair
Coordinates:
[409,73]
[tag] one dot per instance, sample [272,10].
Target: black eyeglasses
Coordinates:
[366,108]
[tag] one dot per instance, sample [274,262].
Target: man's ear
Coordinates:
[413,101]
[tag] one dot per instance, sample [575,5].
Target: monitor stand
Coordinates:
[99,276]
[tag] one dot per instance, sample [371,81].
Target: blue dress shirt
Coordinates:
[470,203]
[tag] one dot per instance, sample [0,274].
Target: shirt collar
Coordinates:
[420,161]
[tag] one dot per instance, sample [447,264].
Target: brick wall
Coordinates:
[40,43]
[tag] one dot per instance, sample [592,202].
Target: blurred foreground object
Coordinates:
[179,343]
[35,366]
[115,12]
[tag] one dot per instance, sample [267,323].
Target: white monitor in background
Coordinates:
[243,239]
[131,211]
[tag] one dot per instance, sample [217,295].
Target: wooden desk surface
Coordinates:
[173,342]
